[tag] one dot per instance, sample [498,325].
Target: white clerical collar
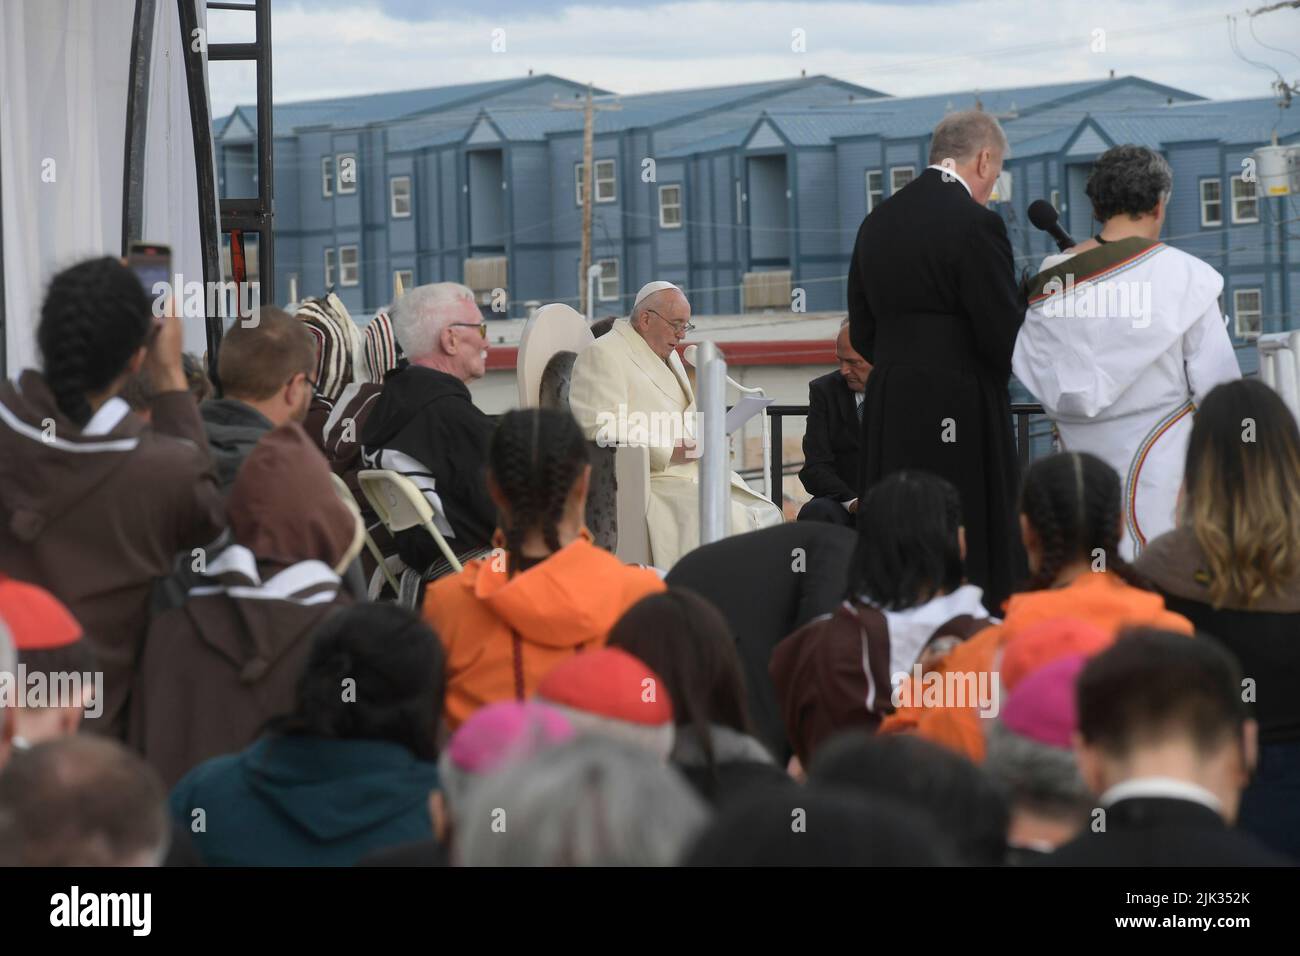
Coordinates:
[953,174]
[1166,787]
[107,418]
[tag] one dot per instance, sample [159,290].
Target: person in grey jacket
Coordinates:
[265,371]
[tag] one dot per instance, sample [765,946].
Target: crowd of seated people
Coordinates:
[798,695]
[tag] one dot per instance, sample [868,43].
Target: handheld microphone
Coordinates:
[1043,215]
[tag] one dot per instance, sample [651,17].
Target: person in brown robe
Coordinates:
[95,503]
[224,652]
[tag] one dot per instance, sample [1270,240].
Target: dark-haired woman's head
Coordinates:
[374,672]
[911,543]
[1131,181]
[1071,514]
[686,641]
[95,324]
[1241,492]
[537,474]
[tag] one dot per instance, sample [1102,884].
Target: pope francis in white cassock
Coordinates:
[631,385]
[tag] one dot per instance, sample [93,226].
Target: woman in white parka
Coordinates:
[1123,337]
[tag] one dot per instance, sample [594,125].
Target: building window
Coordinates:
[1247,314]
[1056,199]
[327,176]
[900,176]
[406,277]
[670,207]
[875,188]
[399,197]
[1245,205]
[348,273]
[607,284]
[329,269]
[605,191]
[1211,203]
[347,173]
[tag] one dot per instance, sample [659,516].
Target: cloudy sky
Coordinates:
[342,47]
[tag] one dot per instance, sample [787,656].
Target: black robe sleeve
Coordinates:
[862,323]
[986,280]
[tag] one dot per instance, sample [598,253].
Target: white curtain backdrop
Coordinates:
[64,72]
[63,80]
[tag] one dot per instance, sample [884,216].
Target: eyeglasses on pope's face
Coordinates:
[681,328]
[481,326]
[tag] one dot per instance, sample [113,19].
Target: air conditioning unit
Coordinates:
[483,274]
[766,290]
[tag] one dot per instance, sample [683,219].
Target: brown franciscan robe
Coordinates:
[225,657]
[94,519]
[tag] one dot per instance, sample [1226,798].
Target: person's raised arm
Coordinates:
[202,514]
[174,410]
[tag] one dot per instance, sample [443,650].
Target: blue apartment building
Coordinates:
[748,196]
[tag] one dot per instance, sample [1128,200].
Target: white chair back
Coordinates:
[552,328]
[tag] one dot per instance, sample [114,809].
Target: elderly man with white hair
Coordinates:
[630,387]
[425,426]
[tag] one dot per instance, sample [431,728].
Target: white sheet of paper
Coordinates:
[744,410]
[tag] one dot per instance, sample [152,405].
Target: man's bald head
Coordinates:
[853,368]
[82,801]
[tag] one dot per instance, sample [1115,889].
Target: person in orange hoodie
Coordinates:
[1071,520]
[547,591]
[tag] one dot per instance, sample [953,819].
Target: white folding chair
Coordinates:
[344,492]
[401,505]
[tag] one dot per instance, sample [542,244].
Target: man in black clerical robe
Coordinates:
[934,307]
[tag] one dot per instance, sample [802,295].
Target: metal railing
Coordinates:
[1022,412]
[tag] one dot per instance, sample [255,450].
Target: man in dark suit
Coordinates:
[1166,741]
[934,307]
[832,454]
[803,569]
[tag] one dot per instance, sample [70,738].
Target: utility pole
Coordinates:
[589,109]
[588,186]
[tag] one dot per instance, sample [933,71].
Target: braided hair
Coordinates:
[535,457]
[1073,501]
[95,316]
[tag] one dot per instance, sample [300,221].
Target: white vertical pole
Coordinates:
[593,275]
[715,477]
